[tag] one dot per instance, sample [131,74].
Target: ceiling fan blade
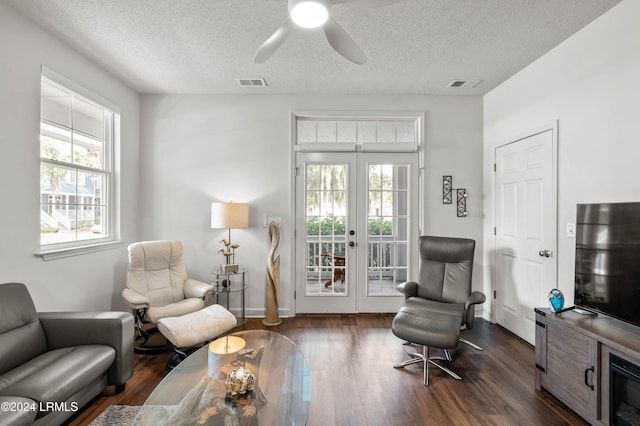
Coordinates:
[343,43]
[272,44]
[367,3]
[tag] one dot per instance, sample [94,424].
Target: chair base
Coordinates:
[180,354]
[177,358]
[149,341]
[473,345]
[416,358]
[144,331]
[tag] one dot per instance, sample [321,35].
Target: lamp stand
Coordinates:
[230,267]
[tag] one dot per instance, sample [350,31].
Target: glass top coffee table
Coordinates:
[195,391]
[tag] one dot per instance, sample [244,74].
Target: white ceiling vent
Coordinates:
[464,83]
[251,82]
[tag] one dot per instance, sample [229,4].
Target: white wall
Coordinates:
[591,85]
[87,282]
[196,149]
[178,154]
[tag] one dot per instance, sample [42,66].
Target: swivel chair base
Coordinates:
[473,345]
[416,358]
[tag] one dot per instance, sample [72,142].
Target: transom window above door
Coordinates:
[383,132]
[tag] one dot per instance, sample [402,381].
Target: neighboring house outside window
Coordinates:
[77,139]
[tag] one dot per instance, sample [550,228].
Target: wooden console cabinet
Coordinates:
[572,358]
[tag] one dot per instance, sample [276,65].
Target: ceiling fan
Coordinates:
[314,14]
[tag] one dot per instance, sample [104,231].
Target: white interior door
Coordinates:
[525,231]
[356,229]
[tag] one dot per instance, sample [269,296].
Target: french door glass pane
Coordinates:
[325,216]
[387,200]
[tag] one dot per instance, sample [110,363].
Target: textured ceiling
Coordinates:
[414,47]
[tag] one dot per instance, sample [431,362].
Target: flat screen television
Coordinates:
[607,266]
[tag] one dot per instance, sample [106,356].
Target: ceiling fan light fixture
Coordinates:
[309,14]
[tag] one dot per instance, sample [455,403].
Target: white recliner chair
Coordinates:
[158,287]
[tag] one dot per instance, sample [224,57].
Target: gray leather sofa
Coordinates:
[52,364]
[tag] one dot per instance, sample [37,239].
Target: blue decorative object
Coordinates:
[556,299]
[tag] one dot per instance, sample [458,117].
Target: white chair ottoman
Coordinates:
[196,328]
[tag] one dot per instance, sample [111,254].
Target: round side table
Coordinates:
[228,283]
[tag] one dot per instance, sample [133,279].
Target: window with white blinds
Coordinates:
[77,136]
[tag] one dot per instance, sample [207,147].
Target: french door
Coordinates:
[356,230]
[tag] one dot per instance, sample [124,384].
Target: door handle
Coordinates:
[352,244]
[586,376]
[544,253]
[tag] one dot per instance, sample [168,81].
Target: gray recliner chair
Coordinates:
[441,303]
[56,362]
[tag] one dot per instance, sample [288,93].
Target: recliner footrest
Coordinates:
[197,327]
[432,329]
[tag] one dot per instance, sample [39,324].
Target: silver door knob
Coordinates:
[544,253]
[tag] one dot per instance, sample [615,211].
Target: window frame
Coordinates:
[109,193]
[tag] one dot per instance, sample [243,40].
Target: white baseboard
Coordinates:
[259,313]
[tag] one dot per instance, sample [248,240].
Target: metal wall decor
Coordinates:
[461,196]
[447,182]
[462,202]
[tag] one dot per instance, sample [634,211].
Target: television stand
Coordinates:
[572,358]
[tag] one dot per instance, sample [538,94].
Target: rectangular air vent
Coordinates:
[251,82]
[464,83]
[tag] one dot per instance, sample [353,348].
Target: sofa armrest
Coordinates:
[135,300]
[195,288]
[408,288]
[19,411]
[115,329]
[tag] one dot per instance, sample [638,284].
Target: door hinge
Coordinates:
[294,294]
[295,171]
[495,231]
[495,168]
[495,293]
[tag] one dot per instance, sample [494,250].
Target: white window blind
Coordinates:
[368,132]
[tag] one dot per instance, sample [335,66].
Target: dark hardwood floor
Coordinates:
[351,359]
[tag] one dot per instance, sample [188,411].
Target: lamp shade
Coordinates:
[229,215]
